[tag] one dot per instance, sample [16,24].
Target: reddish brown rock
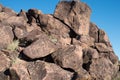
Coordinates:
[89,54]
[8,11]
[103,36]
[23,14]
[47,71]
[4,62]
[70,57]
[38,70]
[6,36]
[100,66]
[102,48]
[55,29]
[40,48]
[74,14]
[18,71]
[93,32]
[87,40]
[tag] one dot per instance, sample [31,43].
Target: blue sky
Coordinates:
[105,13]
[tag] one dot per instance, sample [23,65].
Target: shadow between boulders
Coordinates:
[47,58]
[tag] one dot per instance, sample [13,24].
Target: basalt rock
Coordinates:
[60,46]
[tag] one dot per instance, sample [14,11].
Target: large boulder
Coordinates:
[38,70]
[75,14]
[40,48]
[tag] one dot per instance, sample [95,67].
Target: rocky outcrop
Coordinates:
[60,46]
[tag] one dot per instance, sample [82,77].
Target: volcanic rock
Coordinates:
[60,46]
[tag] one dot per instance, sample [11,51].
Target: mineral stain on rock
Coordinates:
[64,45]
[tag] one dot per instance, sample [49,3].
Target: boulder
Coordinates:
[102,48]
[55,29]
[40,48]
[103,38]
[93,31]
[75,14]
[38,70]
[100,66]
[6,36]
[4,62]
[70,57]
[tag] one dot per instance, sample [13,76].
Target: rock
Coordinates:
[55,29]
[113,58]
[47,71]
[3,76]
[93,31]
[75,14]
[16,21]
[70,57]
[100,66]
[89,54]
[103,38]
[18,71]
[23,14]
[4,62]
[102,48]
[87,40]
[8,11]
[3,16]
[40,48]
[60,46]
[6,36]
[34,12]
[38,70]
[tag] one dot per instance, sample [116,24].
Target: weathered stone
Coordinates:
[6,36]
[40,70]
[3,16]
[4,62]
[89,54]
[16,21]
[55,29]
[103,38]
[74,14]
[34,12]
[93,32]
[100,66]
[23,14]
[40,48]
[87,40]
[3,76]
[113,58]
[8,11]
[70,57]
[33,35]
[18,71]
[102,48]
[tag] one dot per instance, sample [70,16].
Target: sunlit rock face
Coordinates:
[64,45]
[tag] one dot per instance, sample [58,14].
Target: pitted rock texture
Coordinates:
[60,46]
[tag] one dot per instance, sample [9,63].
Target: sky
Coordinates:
[105,14]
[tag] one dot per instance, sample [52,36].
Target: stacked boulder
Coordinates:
[60,46]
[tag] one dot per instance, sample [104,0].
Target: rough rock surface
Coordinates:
[60,46]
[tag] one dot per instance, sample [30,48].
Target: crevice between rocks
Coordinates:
[72,33]
[75,74]
[47,58]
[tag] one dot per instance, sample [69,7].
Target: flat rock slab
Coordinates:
[40,48]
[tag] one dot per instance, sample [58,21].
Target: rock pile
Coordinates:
[60,46]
